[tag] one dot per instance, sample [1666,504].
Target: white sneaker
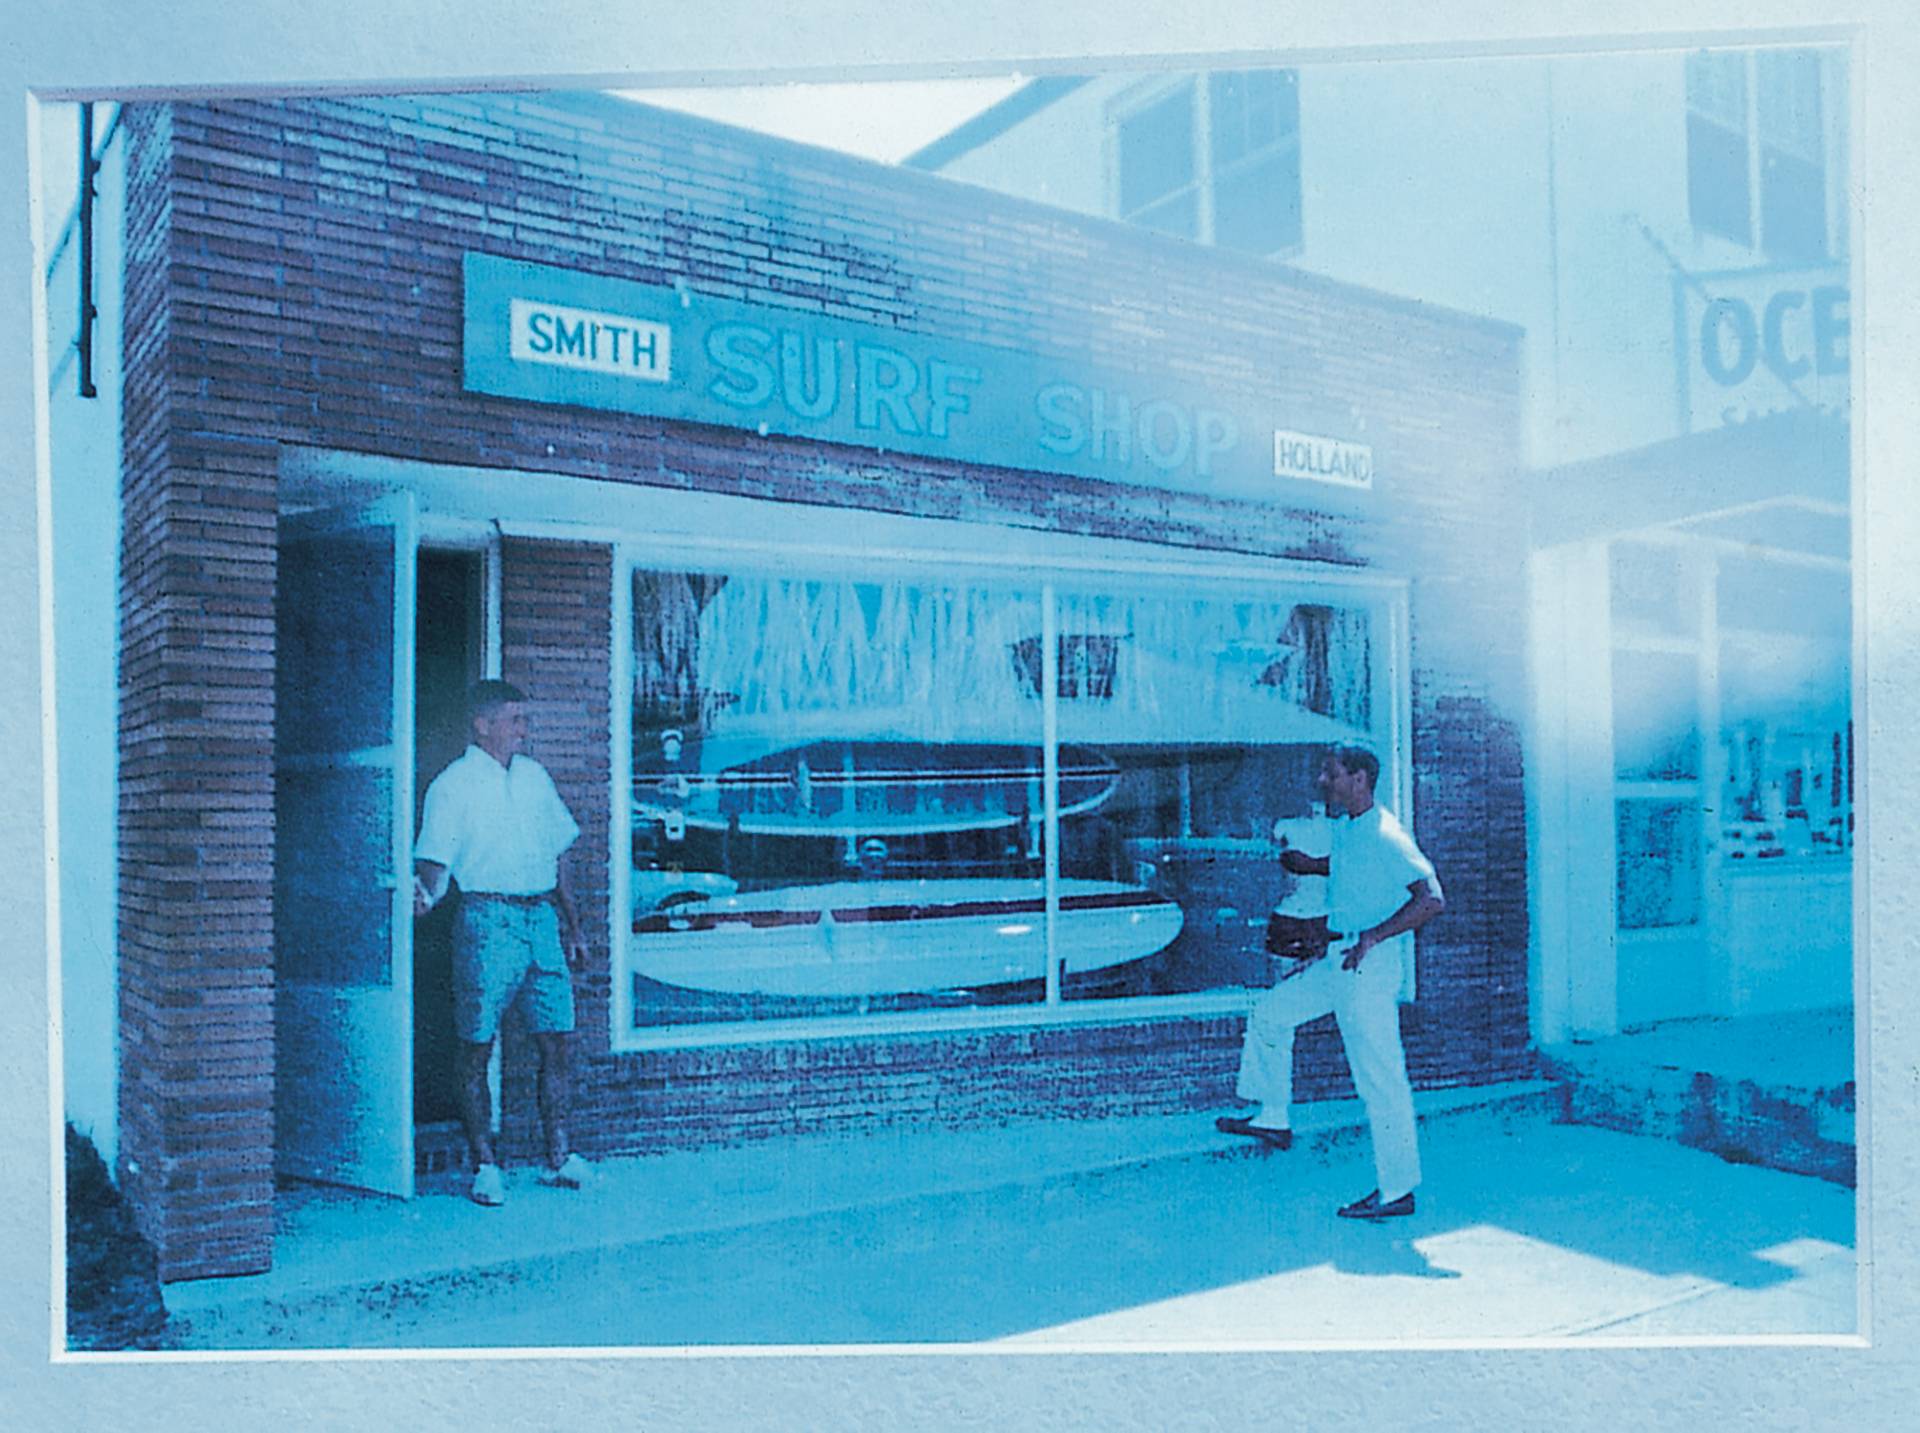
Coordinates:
[572,1173]
[488,1187]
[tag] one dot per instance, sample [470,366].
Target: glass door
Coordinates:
[1665,857]
[343,813]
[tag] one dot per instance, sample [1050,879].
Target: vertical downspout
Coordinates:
[88,313]
[1552,456]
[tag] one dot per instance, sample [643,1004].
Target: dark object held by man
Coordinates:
[1297,937]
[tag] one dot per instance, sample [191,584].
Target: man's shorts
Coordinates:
[503,952]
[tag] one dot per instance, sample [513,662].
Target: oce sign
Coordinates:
[1758,342]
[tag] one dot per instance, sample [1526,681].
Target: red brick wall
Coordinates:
[296,280]
[196,782]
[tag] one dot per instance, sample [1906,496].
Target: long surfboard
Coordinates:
[888,937]
[870,788]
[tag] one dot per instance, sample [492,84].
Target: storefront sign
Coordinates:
[1760,341]
[1326,460]
[556,336]
[595,342]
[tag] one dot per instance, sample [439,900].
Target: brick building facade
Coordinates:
[294,286]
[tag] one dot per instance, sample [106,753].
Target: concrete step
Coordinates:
[1798,1128]
[355,1270]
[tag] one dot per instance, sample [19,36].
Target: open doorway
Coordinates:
[450,656]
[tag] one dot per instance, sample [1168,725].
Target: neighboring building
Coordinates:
[930,601]
[1579,198]
[1670,230]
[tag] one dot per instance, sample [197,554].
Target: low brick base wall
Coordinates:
[1794,1130]
[638,1103]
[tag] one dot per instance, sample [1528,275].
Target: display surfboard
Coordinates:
[870,788]
[891,937]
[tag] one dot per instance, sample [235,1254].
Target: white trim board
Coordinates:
[647,519]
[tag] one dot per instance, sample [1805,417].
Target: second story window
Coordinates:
[1159,180]
[1756,150]
[1255,121]
[1792,158]
[1215,159]
[1717,160]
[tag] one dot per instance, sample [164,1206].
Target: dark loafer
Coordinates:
[1372,1208]
[1233,1124]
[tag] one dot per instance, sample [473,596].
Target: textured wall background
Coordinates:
[194,43]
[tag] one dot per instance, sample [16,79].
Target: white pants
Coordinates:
[1366,1003]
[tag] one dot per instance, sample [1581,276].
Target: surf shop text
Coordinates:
[557,336]
[888,390]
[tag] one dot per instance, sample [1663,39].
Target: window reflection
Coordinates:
[841,789]
[837,797]
[1223,709]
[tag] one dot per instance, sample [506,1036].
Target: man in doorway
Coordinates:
[495,824]
[1381,889]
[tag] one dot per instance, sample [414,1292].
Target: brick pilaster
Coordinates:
[556,647]
[196,782]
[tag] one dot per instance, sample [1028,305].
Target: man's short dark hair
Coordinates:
[1358,758]
[489,696]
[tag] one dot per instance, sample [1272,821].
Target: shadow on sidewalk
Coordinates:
[1524,1228]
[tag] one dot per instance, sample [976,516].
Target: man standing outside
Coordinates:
[1381,889]
[494,822]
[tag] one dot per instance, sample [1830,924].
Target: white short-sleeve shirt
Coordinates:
[496,828]
[1372,862]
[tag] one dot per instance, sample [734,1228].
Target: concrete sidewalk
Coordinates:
[1146,1232]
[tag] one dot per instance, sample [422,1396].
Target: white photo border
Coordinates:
[123,49]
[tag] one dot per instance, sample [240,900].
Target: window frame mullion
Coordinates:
[1050,783]
[1203,177]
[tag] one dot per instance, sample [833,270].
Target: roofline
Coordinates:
[993,121]
[605,108]
[609,105]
